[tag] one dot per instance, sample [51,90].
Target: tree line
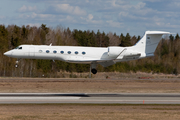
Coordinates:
[166,59]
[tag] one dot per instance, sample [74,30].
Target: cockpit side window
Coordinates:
[19,47]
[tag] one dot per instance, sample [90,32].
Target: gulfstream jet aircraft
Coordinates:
[91,55]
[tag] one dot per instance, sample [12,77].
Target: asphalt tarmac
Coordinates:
[114,98]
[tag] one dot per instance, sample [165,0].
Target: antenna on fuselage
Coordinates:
[50,44]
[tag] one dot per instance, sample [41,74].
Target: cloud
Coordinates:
[25,8]
[90,20]
[2,17]
[90,16]
[66,9]
[107,15]
[34,24]
[114,24]
[67,19]
[38,17]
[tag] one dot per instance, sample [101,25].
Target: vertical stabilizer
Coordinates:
[149,42]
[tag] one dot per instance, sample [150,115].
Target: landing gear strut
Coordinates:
[92,69]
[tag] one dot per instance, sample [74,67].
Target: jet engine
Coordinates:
[114,52]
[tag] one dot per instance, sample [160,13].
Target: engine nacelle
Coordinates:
[114,52]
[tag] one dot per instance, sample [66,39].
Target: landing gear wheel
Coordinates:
[17,61]
[94,71]
[16,66]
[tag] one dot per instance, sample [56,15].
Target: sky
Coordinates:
[116,16]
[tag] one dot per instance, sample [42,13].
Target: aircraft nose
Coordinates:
[8,53]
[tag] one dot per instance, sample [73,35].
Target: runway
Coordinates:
[120,98]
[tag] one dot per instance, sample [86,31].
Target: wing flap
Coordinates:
[133,56]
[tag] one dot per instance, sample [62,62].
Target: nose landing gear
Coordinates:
[16,65]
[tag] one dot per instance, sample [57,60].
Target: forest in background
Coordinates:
[166,59]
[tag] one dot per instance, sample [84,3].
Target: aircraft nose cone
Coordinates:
[8,53]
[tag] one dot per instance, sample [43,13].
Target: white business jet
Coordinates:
[91,55]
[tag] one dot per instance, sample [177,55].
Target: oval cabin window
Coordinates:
[54,51]
[83,53]
[76,52]
[47,51]
[62,52]
[69,52]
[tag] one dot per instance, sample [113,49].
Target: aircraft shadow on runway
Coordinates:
[85,95]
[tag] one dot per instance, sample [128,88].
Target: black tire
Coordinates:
[94,71]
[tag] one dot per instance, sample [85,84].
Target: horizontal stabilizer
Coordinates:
[157,32]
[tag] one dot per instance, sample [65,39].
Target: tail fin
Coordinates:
[149,42]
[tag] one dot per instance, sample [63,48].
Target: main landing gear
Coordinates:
[92,69]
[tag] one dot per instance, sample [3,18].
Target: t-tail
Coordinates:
[149,42]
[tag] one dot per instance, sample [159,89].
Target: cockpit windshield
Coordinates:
[19,47]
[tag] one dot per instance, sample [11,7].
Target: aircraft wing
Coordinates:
[133,56]
[104,63]
[107,63]
[112,62]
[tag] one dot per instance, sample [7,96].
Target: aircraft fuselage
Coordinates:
[72,54]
